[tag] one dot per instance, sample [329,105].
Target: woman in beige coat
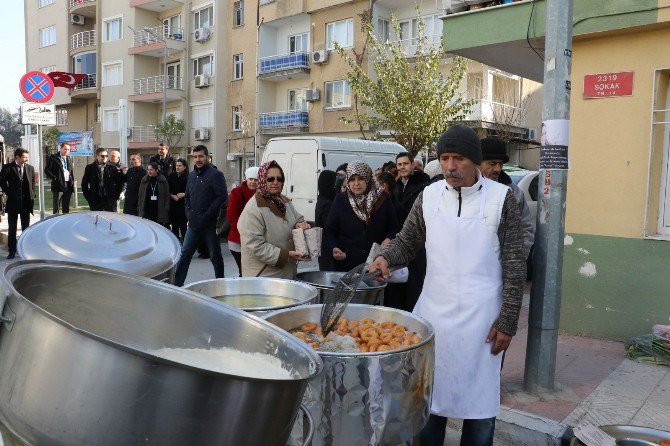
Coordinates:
[265,228]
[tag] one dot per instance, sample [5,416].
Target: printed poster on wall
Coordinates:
[81,143]
[554,150]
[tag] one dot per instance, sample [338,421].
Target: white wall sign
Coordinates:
[38,114]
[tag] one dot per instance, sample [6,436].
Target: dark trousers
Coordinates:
[178,225]
[191,242]
[238,259]
[12,220]
[62,200]
[475,432]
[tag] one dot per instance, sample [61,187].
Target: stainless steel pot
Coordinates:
[627,435]
[301,293]
[111,240]
[370,292]
[77,363]
[362,399]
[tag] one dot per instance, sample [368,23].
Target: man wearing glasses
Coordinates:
[100,184]
[206,192]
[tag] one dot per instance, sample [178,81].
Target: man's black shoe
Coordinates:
[11,255]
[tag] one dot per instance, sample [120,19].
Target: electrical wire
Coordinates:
[530,20]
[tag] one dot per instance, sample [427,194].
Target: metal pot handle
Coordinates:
[310,422]
[108,220]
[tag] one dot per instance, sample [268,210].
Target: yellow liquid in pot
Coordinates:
[255,301]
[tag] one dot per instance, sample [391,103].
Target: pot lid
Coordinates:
[120,242]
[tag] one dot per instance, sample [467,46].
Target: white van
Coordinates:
[304,157]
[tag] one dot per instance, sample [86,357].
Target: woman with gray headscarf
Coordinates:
[360,216]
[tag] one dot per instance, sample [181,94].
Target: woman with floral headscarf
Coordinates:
[360,216]
[265,228]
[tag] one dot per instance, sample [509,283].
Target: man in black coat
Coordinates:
[59,170]
[134,176]
[17,181]
[101,183]
[164,159]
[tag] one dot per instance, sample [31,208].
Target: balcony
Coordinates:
[292,121]
[142,137]
[150,89]
[158,41]
[86,88]
[83,40]
[83,7]
[156,5]
[492,115]
[410,45]
[284,66]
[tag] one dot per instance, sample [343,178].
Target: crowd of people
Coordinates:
[460,228]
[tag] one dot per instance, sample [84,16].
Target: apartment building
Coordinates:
[237,72]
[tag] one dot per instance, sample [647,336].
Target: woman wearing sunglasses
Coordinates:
[265,228]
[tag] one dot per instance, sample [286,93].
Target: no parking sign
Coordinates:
[36,86]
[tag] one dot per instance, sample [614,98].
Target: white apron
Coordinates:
[462,297]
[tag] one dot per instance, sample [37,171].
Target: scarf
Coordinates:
[263,185]
[362,204]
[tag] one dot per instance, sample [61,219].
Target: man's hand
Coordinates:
[380,264]
[338,254]
[500,340]
[297,255]
[302,225]
[385,242]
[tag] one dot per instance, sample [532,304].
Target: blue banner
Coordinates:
[81,143]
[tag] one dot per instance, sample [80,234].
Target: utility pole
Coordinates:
[545,297]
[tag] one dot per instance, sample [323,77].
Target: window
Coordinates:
[202,115]
[112,74]
[203,18]
[238,66]
[112,29]
[383,30]
[338,94]
[61,116]
[475,86]
[43,3]
[237,118]
[341,32]
[238,13]
[110,120]
[506,90]
[48,69]
[174,76]
[48,36]
[203,65]
[433,30]
[297,100]
[298,43]
[172,27]
[409,31]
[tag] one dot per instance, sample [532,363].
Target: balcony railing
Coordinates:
[154,84]
[148,36]
[83,39]
[143,133]
[497,112]
[284,62]
[410,45]
[74,3]
[292,119]
[265,2]
[90,81]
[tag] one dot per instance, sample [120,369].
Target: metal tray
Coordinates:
[631,435]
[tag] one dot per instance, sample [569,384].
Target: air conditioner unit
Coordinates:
[201,81]
[203,34]
[532,134]
[76,19]
[201,134]
[312,95]
[319,57]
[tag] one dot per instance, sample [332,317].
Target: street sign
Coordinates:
[607,85]
[36,86]
[38,114]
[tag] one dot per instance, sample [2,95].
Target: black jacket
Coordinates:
[327,192]
[206,192]
[134,177]
[112,182]
[54,171]
[346,231]
[166,165]
[406,194]
[20,194]
[163,194]
[177,185]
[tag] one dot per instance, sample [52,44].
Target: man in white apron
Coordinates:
[474,285]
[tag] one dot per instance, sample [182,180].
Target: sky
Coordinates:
[13,64]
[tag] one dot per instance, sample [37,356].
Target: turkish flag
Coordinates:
[67,80]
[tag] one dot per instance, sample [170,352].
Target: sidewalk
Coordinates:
[594,381]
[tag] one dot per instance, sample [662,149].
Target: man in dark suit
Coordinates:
[134,176]
[59,170]
[164,159]
[101,184]
[17,181]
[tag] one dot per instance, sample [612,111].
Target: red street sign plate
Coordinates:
[36,86]
[607,85]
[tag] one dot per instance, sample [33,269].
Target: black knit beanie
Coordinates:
[494,149]
[462,140]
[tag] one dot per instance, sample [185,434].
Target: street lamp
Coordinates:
[165,55]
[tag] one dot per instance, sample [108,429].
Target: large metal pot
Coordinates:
[260,292]
[78,363]
[364,399]
[369,292]
[120,242]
